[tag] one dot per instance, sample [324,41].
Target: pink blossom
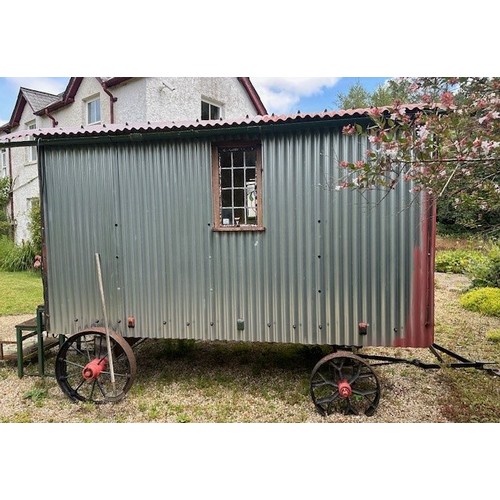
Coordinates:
[376,112]
[360,164]
[447,99]
[375,139]
[348,130]
[344,164]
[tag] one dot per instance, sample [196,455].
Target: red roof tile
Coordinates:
[172,126]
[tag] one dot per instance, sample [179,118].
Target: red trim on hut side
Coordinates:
[419,327]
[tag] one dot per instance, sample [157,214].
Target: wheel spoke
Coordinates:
[72,363]
[352,372]
[85,347]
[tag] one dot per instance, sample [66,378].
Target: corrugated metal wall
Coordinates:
[326,261]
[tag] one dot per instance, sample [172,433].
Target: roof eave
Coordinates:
[254,96]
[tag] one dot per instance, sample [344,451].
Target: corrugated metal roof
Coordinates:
[125,128]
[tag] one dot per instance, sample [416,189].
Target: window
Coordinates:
[236,177]
[31,156]
[210,111]
[3,163]
[32,203]
[94,111]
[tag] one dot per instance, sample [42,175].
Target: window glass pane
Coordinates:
[225,178]
[227,216]
[214,112]
[239,216]
[239,197]
[205,110]
[250,158]
[97,105]
[225,159]
[238,159]
[94,111]
[90,112]
[227,198]
[250,175]
[239,177]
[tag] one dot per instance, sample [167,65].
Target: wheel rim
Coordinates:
[82,370]
[342,382]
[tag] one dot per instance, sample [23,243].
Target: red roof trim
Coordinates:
[254,96]
[172,126]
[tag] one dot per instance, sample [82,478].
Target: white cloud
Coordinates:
[281,95]
[44,84]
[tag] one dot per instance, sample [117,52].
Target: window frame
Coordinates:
[30,202]
[211,103]
[31,152]
[217,225]
[3,162]
[88,103]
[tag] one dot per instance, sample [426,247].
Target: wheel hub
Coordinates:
[94,368]
[345,389]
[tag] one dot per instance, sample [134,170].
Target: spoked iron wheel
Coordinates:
[344,383]
[83,371]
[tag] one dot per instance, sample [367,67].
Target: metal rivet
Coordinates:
[269,325]
[211,323]
[320,327]
[164,322]
[188,323]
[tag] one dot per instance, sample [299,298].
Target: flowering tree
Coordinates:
[449,146]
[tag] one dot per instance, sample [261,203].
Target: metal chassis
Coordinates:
[436,350]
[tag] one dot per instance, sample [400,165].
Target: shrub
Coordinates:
[19,258]
[493,335]
[35,226]
[6,246]
[484,300]
[486,272]
[458,261]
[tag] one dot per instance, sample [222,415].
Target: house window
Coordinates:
[237,181]
[31,156]
[32,203]
[210,111]
[94,111]
[3,163]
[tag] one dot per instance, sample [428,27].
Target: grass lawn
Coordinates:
[20,292]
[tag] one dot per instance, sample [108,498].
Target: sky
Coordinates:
[280,95]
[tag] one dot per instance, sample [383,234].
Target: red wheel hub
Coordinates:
[94,368]
[344,388]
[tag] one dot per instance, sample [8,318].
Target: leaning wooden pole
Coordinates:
[103,301]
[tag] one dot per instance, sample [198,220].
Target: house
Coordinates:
[91,101]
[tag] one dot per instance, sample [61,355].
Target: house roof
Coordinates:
[335,117]
[36,99]
[42,103]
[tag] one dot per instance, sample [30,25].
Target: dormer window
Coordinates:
[94,111]
[210,110]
